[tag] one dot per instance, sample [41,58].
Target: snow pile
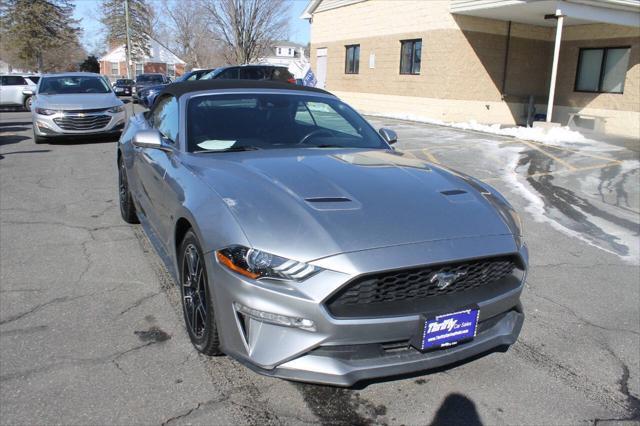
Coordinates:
[536,134]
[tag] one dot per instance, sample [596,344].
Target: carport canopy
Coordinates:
[553,13]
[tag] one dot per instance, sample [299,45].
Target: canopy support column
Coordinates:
[556,54]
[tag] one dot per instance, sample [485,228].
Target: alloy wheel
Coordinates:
[194,296]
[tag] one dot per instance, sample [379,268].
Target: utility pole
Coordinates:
[126,23]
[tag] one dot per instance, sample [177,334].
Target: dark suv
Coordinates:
[148,81]
[252,72]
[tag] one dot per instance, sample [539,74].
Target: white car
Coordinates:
[75,104]
[15,88]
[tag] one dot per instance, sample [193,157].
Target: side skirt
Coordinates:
[157,245]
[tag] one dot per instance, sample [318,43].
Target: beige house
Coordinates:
[576,61]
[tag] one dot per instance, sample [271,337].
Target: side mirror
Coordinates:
[388,135]
[150,138]
[28,92]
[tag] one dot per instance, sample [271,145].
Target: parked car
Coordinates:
[194,75]
[124,87]
[146,83]
[308,248]
[252,72]
[72,104]
[150,93]
[15,88]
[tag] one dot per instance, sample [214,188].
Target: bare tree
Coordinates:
[247,28]
[191,38]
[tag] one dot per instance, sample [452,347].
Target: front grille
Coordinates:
[88,122]
[403,290]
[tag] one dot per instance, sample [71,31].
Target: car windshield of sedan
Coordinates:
[124,82]
[73,85]
[238,122]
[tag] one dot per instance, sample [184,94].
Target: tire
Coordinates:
[197,303]
[27,103]
[38,139]
[127,208]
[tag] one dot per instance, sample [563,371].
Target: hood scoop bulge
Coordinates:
[457,195]
[332,203]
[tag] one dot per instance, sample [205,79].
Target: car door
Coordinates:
[12,87]
[252,73]
[152,166]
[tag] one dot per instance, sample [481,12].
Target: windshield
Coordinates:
[73,85]
[152,78]
[124,82]
[270,121]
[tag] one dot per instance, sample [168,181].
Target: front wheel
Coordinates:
[197,306]
[28,102]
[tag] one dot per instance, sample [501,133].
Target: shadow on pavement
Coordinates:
[14,128]
[5,124]
[83,140]
[11,139]
[33,151]
[457,409]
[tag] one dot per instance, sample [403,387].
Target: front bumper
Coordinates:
[346,365]
[64,124]
[124,91]
[333,353]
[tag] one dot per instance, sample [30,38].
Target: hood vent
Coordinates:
[453,192]
[327,200]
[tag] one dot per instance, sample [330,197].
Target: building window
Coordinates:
[171,70]
[410,56]
[279,51]
[602,70]
[115,68]
[290,52]
[139,68]
[352,60]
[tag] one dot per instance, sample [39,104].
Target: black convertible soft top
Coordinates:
[182,88]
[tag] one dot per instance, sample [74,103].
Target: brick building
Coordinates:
[160,60]
[457,60]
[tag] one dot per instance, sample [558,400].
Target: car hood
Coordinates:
[148,86]
[312,203]
[78,101]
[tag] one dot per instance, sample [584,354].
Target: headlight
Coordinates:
[258,264]
[116,109]
[44,111]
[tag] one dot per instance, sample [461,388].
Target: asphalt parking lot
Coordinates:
[91,330]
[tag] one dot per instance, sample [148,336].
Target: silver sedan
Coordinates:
[306,246]
[75,104]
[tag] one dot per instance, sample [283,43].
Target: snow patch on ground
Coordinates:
[562,137]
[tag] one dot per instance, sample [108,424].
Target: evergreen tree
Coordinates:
[140,18]
[31,28]
[90,64]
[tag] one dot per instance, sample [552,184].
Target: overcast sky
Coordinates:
[88,12]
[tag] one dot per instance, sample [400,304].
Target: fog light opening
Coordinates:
[277,319]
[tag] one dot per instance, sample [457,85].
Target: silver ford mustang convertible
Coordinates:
[308,248]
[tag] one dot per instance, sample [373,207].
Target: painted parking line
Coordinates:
[559,172]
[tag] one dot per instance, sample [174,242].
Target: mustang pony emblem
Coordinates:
[443,280]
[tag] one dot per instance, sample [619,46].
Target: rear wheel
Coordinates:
[127,208]
[27,103]
[197,306]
